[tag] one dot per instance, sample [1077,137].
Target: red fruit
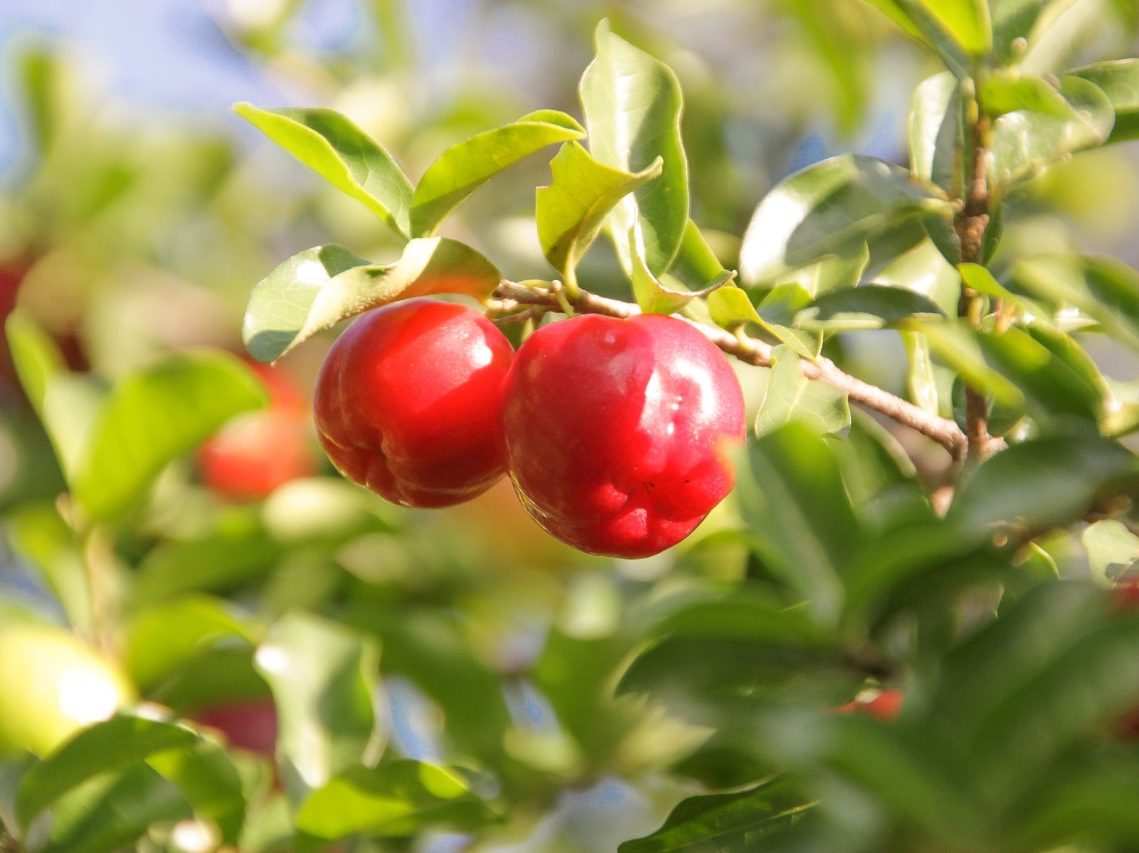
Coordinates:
[885,705]
[409,402]
[616,431]
[250,725]
[256,454]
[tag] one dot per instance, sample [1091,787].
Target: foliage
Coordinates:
[952,517]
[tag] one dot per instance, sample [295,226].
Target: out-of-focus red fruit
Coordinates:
[257,453]
[885,705]
[409,402]
[250,725]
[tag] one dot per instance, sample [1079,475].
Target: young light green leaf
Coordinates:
[467,165]
[654,298]
[397,798]
[792,396]
[870,306]
[572,209]
[964,21]
[1119,80]
[1006,92]
[1101,287]
[632,105]
[115,744]
[981,280]
[324,680]
[921,380]
[937,133]
[206,776]
[317,288]
[1113,551]
[153,416]
[342,154]
[956,345]
[730,307]
[829,207]
[1016,19]
[1025,142]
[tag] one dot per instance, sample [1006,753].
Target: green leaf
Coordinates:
[209,780]
[869,306]
[730,307]
[921,381]
[342,154]
[116,744]
[937,133]
[1101,287]
[317,288]
[1044,483]
[1008,91]
[955,343]
[398,798]
[572,209]
[792,396]
[39,534]
[696,263]
[632,105]
[1119,80]
[153,416]
[795,503]
[1025,142]
[827,208]
[736,821]
[830,272]
[324,680]
[1016,19]
[1113,551]
[466,166]
[965,21]
[652,297]
[982,281]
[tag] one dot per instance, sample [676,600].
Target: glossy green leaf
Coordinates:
[1007,92]
[937,133]
[1017,19]
[653,297]
[1101,287]
[1025,142]
[921,380]
[467,165]
[153,416]
[206,776]
[1119,80]
[1044,483]
[792,396]
[572,209]
[730,307]
[696,263]
[924,270]
[867,307]
[317,288]
[397,798]
[115,744]
[827,208]
[795,504]
[161,637]
[342,154]
[735,821]
[1113,551]
[632,105]
[830,272]
[965,21]
[983,281]
[324,679]
[956,344]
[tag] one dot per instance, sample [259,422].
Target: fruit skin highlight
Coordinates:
[408,402]
[52,685]
[617,429]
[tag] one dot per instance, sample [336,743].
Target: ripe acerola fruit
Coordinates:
[52,685]
[409,402]
[616,431]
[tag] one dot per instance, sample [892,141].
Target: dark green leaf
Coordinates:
[829,207]
[632,105]
[956,344]
[116,744]
[1044,483]
[153,416]
[1119,80]
[466,166]
[342,154]
[696,263]
[572,209]
[398,798]
[867,307]
[736,821]
[324,679]
[792,396]
[317,288]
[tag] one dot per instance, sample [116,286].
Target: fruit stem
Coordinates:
[511,296]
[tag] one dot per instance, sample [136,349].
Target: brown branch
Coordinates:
[510,295]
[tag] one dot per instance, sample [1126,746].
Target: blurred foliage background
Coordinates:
[136,213]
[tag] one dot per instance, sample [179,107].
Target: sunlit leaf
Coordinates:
[730,307]
[467,165]
[572,209]
[1113,551]
[937,133]
[827,208]
[342,154]
[632,105]
[153,416]
[792,396]
[1008,92]
[206,776]
[317,288]
[955,344]
[867,307]
[1119,80]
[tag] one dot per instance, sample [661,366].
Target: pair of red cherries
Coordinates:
[613,431]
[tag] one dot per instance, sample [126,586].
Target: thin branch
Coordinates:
[510,296]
